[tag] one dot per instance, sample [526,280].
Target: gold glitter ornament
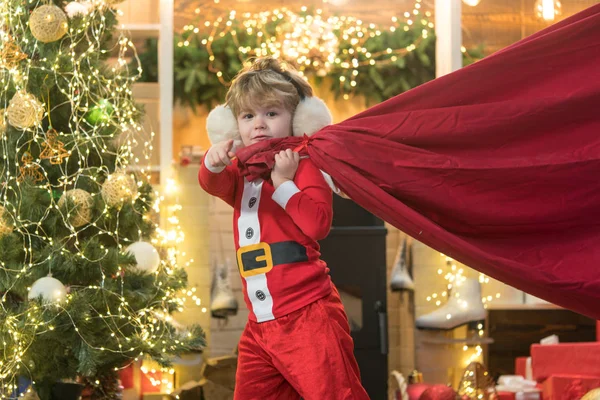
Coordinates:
[29,170]
[5,226]
[83,202]
[54,149]
[119,188]
[24,110]
[48,23]
[477,384]
[11,54]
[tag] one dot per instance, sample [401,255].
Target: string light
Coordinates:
[314,44]
[454,276]
[85,87]
[548,10]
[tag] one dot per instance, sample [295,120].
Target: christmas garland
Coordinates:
[350,57]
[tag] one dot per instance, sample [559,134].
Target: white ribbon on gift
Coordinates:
[524,389]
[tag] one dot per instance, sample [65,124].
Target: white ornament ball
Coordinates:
[118,189]
[50,289]
[146,256]
[75,8]
[24,110]
[48,23]
[5,226]
[82,214]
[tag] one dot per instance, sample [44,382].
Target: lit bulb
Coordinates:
[547,9]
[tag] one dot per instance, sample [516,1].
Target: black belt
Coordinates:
[260,258]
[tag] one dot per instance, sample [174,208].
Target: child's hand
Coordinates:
[221,154]
[286,165]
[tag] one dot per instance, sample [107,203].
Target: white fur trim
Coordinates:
[332,186]
[311,116]
[284,193]
[221,125]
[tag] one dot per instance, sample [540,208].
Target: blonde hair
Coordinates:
[267,82]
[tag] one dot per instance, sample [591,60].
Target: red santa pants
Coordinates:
[306,354]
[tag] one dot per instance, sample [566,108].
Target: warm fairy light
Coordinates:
[548,10]
[311,42]
[454,275]
[109,105]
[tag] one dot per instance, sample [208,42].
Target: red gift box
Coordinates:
[127,377]
[568,387]
[565,359]
[521,366]
[507,396]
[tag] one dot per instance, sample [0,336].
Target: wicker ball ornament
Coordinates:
[48,23]
[24,111]
[82,214]
[5,226]
[118,188]
[592,395]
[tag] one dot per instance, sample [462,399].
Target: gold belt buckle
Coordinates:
[265,256]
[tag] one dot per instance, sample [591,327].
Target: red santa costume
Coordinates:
[297,342]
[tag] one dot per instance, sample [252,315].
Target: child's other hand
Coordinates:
[286,165]
[220,154]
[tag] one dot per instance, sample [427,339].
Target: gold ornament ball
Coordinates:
[118,188]
[48,23]
[83,202]
[592,395]
[5,226]
[24,110]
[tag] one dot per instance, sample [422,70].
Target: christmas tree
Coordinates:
[84,287]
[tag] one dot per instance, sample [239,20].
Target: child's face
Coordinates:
[263,123]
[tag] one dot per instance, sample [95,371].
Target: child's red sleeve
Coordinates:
[308,200]
[220,182]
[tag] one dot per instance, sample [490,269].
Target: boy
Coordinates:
[297,341]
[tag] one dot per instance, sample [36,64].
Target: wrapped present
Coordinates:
[126,375]
[502,395]
[146,377]
[515,387]
[565,359]
[568,387]
[523,367]
[506,395]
